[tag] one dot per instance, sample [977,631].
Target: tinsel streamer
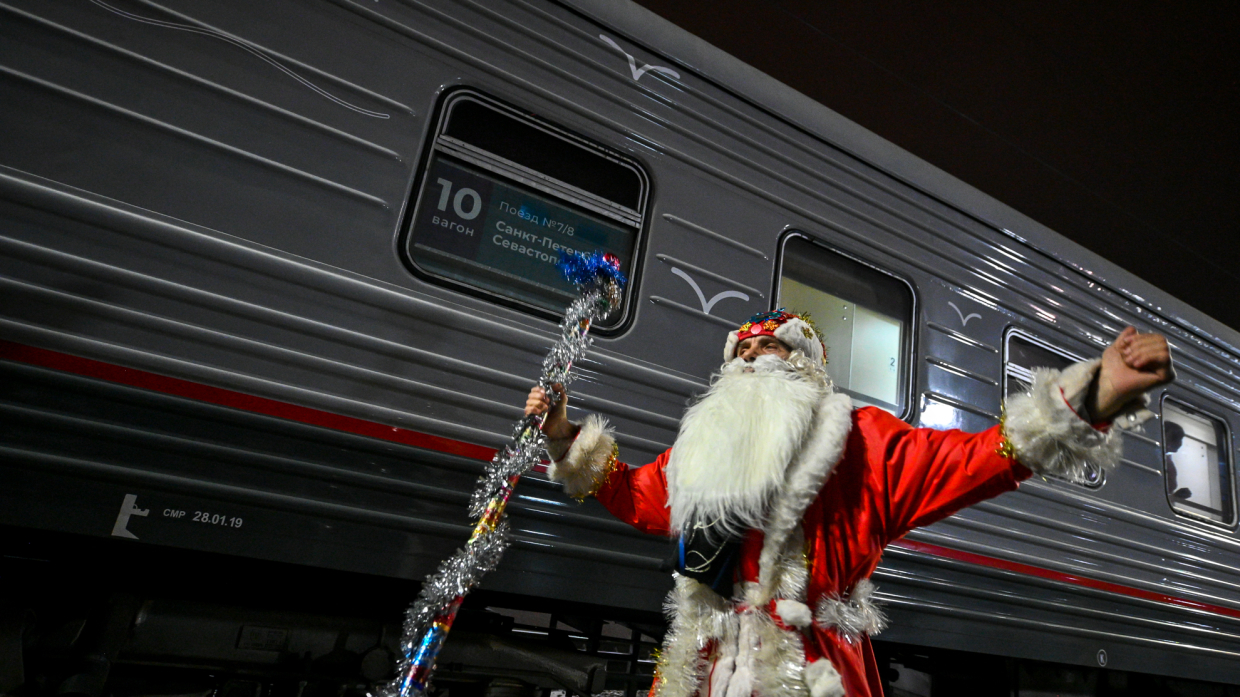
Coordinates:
[429,619]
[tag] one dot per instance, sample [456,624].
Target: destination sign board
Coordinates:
[476,228]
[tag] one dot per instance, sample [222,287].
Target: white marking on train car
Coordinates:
[128,508]
[964,319]
[252,48]
[708,304]
[633,69]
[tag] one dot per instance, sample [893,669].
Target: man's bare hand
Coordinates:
[1133,365]
[556,425]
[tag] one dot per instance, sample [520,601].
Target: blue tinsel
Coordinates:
[583,269]
[776,314]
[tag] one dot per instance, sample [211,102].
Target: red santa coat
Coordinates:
[892,478]
[862,480]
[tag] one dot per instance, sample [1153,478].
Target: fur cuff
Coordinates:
[823,680]
[585,461]
[1047,428]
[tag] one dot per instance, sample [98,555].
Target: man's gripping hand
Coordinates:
[556,425]
[1132,365]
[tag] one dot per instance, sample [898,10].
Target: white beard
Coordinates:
[736,442]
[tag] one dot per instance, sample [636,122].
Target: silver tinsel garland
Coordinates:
[522,453]
[599,279]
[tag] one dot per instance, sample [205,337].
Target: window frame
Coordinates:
[1030,337]
[910,343]
[542,184]
[1193,409]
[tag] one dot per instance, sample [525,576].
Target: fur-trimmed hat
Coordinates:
[793,330]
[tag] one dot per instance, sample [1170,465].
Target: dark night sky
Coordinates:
[1114,124]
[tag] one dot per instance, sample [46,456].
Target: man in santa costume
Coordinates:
[782,497]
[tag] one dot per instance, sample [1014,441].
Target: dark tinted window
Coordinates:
[502,194]
[527,144]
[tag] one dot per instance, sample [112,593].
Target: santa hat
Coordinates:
[793,330]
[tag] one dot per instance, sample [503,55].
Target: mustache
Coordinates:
[795,367]
[768,363]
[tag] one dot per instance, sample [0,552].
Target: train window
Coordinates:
[502,192]
[865,316]
[1023,353]
[1197,463]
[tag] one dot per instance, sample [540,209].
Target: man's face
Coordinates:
[755,346]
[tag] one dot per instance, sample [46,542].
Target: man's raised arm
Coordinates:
[1064,420]
[584,458]
[1059,427]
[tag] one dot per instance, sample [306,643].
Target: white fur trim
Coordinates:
[582,468]
[791,568]
[729,346]
[794,613]
[854,617]
[776,656]
[1046,432]
[823,679]
[721,673]
[752,654]
[797,334]
[805,477]
[697,616]
[741,683]
[793,334]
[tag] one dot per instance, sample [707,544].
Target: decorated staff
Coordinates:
[429,619]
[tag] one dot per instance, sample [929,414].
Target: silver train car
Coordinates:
[277,276]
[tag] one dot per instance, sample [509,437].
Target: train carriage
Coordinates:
[277,276]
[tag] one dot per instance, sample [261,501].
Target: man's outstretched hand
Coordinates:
[556,425]
[1133,365]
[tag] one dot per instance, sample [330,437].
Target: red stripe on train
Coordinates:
[237,400]
[1039,572]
